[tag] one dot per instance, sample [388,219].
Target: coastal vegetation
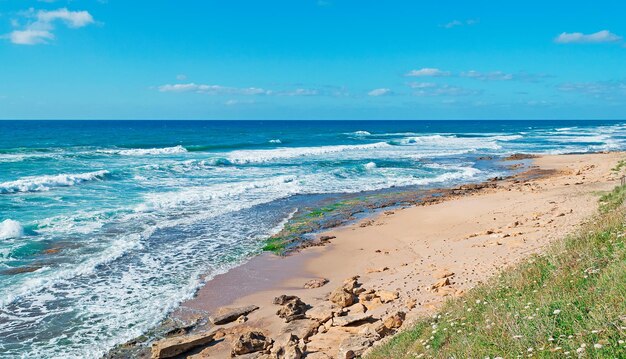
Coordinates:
[566,302]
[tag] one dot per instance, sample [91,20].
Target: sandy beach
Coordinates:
[385,271]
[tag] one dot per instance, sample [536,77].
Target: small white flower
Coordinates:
[556,311]
[597,346]
[530,350]
[580,350]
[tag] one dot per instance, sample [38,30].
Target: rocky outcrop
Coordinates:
[230,315]
[250,342]
[302,328]
[171,347]
[342,297]
[354,346]
[292,307]
[351,319]
[315,283]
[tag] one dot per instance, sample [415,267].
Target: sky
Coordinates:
[312,59]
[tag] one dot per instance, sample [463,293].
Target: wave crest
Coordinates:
[11,229]
[45,183]
[260,156]
[147,151]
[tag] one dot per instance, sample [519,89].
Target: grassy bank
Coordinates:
[570,301]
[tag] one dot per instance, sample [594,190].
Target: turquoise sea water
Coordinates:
[105,226]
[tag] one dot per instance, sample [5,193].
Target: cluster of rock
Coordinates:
[344,325]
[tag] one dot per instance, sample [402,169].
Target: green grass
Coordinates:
[568,302]
[620,165]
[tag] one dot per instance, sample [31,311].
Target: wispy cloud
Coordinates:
[380,92]
[433,89]
[213,89]
[478,75]
[226,90]
[456,23]
[40,25]
[580,38]
[428,72]
[487,76]
[606,90]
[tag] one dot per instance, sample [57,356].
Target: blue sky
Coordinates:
[317,59]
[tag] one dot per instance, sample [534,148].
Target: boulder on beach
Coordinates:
[250,342]
[292,308]
[231,314]
[342,297]
[172,347]
[315,283]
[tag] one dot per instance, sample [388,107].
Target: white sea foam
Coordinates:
[260,156]
[275,141]
[46,182]
[147,151]
[449,142]
[369,166]
[11,229]
[361,133]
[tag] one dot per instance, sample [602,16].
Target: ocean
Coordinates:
[106,226]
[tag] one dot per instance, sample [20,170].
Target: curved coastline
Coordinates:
[302,232]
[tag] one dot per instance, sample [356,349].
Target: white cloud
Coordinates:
[486,76]
[433,89]
[73,19]
[300,92]
[40,26]
[380,92]
[607,90]
[428,72]
[224,90]
[455,23]
[30,37]
[213,89]
[579,37]
[181,77]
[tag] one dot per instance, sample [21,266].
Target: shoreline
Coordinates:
[386,266]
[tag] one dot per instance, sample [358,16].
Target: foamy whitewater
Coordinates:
[106,226]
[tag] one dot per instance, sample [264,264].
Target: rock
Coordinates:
[377,270]
[354,346]
[283,299]
[514,224]
[373,304]
[443,274]
[351,319]
[351,284]
[286,346]
[315,283]
[357,308]
[342,297]
[171,347]
[302,328]
[440,283]
[322,312]
[242,319]
[395,320]
[326,238]
[387,296]
[230,315]
[411,303]
[292,308]
[250,342]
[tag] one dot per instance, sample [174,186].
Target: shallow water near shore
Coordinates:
[106,226]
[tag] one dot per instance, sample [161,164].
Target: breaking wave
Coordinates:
[45,183]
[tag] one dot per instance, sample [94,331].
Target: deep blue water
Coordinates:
[105,226]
